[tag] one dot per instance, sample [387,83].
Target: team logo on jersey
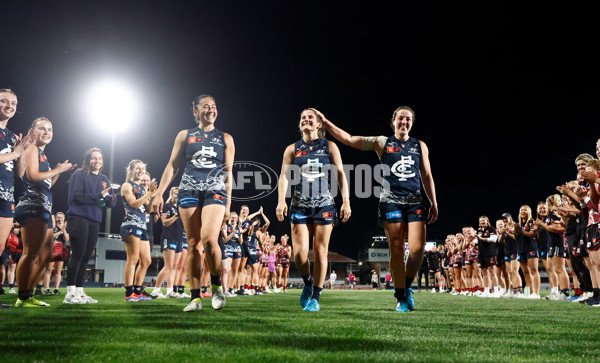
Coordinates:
[200,157]
[104,184]
[194,139]
[216,141]
[413,150]
[43,158]
[298,153]
[312,170]
[392,149]
[402,168]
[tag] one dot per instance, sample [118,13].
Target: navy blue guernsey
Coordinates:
[173,232]
[7,177]
[403,173]
[38,194]
[313,161]
[135,217]
[204,158]
[236,234]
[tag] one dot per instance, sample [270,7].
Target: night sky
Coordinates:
[505,94]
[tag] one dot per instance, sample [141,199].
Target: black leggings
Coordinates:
[83,235]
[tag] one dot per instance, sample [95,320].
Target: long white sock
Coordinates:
[169,290]
[79,290]
[71,289]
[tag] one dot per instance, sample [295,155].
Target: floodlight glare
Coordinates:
[112,105]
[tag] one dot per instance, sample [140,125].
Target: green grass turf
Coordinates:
[352,326]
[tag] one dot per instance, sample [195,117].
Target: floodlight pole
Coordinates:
[110,179]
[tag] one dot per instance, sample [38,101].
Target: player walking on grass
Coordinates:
[312,210]
[204,194]
[401,206]
[34,212]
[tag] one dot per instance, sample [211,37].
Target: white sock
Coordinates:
[71,289]
[486,290]
[156,289]
[169,290]
[79,290]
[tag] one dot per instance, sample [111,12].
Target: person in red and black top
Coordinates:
[488,256]
[284,254]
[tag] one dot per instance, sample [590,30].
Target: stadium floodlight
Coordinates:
[111,106]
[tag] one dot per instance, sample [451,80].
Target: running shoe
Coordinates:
[142,297]
[158,294]
[87,299]
[171,295]
[194,305]
[38,292]
[312,305]
[73,299]
[56,291]
[306,295]
[47,292]
[228,294]
[2,292]
[30,303]
[410,301]
[12,291]
[402,307]
[184,295]
[5,306]
[218,299]
[146,295]
[132,297]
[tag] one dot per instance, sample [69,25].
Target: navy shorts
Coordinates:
[323,215]
[171,244]
[184,244]
[24,213]
[523,257]
[140,233]
[401,213]
[223,252]
[7,209]
[197,198]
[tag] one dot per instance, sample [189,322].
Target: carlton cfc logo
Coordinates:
[402,168]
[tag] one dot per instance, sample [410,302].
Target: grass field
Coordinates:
[352,326]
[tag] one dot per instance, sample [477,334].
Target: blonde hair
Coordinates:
[553,202]
[39,119]
[130,167]
[528,208]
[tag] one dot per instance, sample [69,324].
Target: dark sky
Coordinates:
[505,94]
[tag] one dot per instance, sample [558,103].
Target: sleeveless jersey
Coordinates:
[135,217]
[314,189]
[403,172]
[175,230]
[7,178]
[204,157]
[236,234]
[38,194]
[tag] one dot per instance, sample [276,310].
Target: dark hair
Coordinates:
[87,160]
[197,101]
[414,117]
